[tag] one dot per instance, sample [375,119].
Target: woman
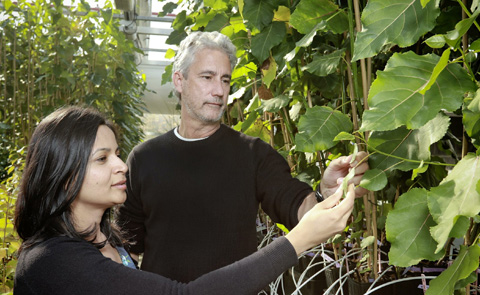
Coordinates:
[74,176]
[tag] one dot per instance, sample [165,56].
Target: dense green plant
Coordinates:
[398,78]
[52,55]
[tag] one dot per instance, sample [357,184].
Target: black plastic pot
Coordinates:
[315,286]
[332,274]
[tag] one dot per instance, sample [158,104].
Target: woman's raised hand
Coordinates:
[324,220]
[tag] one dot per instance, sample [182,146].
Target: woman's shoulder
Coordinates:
[52,251]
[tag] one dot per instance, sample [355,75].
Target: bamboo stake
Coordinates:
[14,97]
[371,202]
[464,138]
[4,50]
[29,86]
[270,119]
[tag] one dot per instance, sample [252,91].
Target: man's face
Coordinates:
[204,94]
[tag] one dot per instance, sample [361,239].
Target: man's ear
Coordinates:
[178,81]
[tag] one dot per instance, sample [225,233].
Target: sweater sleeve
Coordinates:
[279,193]
[130,214]
[71,266]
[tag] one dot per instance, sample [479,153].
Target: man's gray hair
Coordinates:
[197,41]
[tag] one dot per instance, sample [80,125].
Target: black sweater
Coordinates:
[192,206]
[70,266]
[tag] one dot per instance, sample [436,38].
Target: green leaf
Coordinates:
[453,37]
[475,46]
[82,6]
[217,23]
[5,126]
[267,39]
[275,104]
[466,281]
[258,129]
[107,15]
[245,71]
[474,5]
[258,13]
[323,65]
[374,180]
[270,73]
[368,241]
[394,97]
[344,136]
[295,110]
[169,7]
[251,119]
[7,4]
[436,41]
[176,37]
[309,13]
[394,147]
[216,4]
[455,196]
[424,2]
[170,53]
[471,118]
[442,63]
[318,127]
[167,74]
[465,263]
[282,14]
[346,179]
[308,38]
[460,227]
[180,21]
[401,22]
[407,229]
[203,19]
[421,169]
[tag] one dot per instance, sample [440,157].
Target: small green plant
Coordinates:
[9,241]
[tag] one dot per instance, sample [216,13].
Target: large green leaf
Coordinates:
[323,65]
[374,180]
[407,230]
[217,23]
[275,104]
[258,13]
[258,129]
[392,149]
[456,196]
[309,13]
[318,128]
[401,22]
[395,100]
[264,41]
[465,263]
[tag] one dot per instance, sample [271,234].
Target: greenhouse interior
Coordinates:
[311,147]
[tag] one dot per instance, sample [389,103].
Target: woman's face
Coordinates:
[104,184]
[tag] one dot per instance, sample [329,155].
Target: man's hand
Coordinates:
[339,168]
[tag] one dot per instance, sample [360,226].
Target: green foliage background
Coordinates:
[397,78]
[316,79]
[50,56]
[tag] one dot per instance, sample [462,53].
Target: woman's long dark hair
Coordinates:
[55,167]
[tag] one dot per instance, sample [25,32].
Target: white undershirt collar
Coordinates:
[186,139]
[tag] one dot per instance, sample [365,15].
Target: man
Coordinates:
[193,193]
